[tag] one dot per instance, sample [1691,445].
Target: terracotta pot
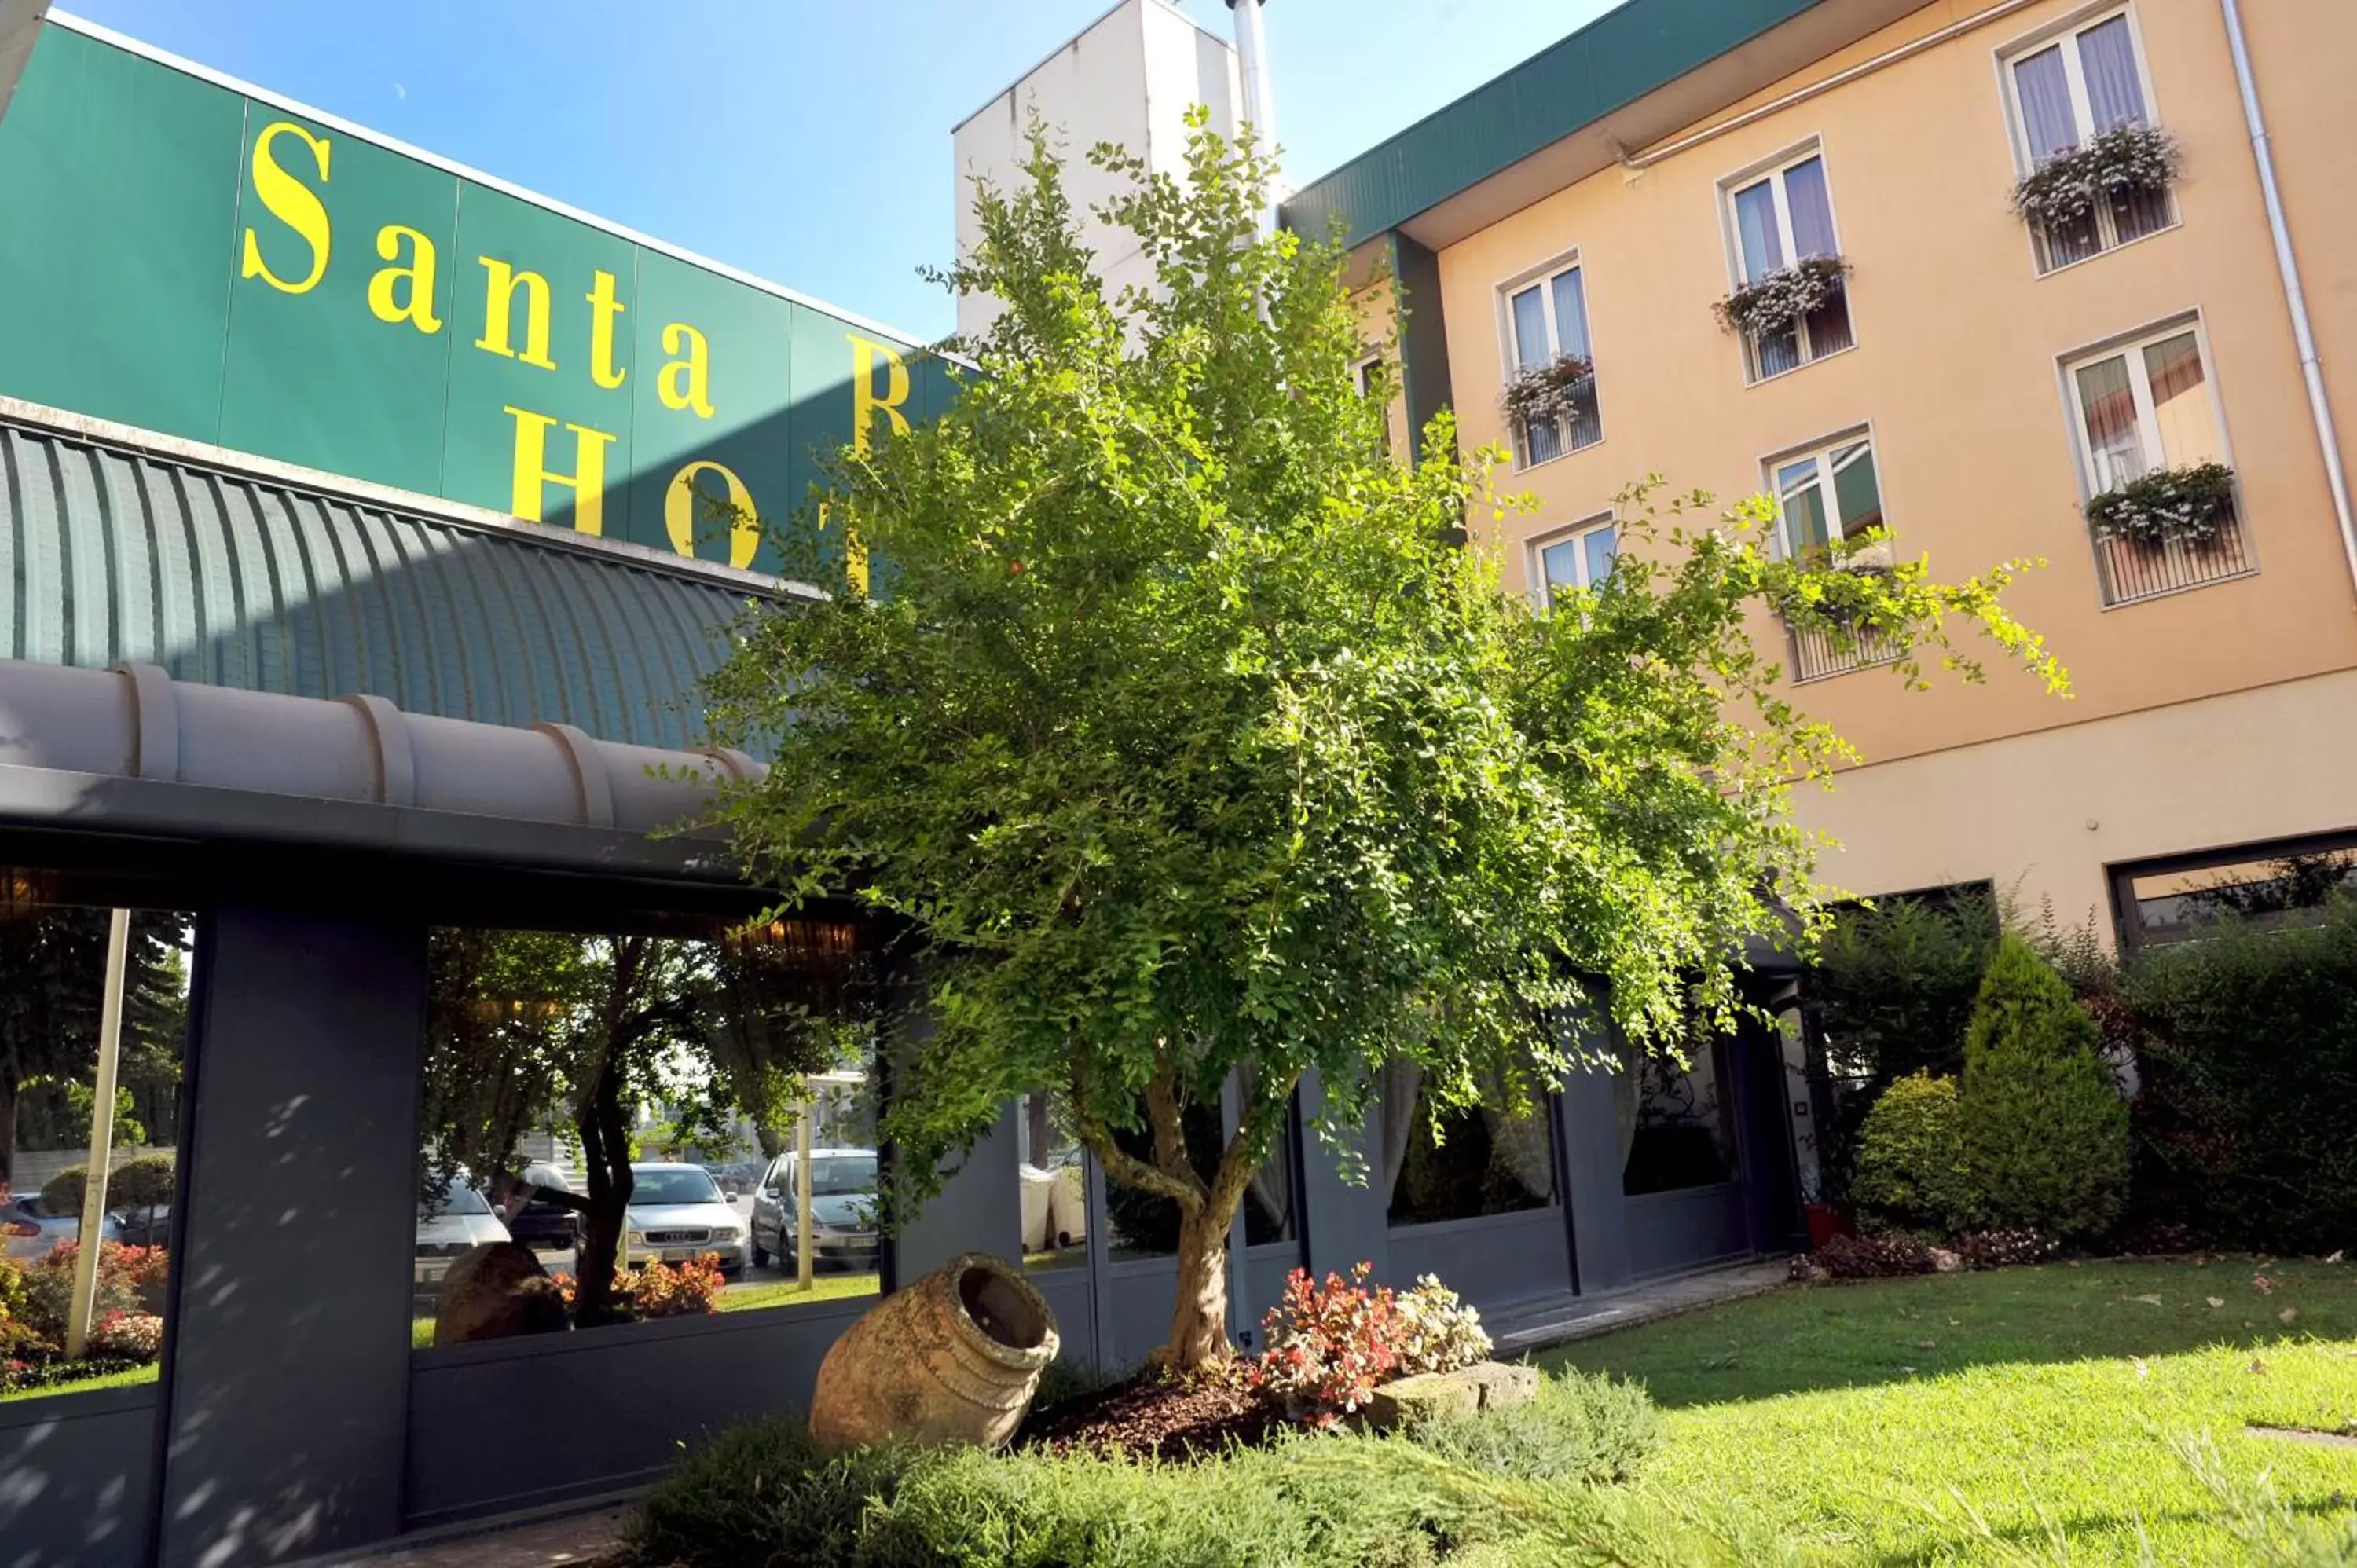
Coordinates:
[954,1358]
[1826,1222]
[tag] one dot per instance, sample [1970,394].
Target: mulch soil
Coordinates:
[1168,1418]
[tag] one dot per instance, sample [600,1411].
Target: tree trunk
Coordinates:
[1198,1324]
[7,1129]
[606,1151]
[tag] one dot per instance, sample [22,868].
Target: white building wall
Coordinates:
[1129,79]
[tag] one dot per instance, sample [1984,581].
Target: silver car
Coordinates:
[842,1209]
[677,1213]
[448,1230]
[30,1231]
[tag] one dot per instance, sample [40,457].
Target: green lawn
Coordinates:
[82,1385]
[1872,1423]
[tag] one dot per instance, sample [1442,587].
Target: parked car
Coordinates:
[30,1230]
[538,1223]
[842,1209]
[677,1213]
[149,1225]
[455,1222]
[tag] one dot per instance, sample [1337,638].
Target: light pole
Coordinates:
[1260,101]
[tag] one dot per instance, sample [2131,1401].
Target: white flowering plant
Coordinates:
[1434,1330]
[1772,303]
[2193,505]
[2122,163]
[1560,390]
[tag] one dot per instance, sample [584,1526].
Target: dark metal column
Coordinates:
[289,1392]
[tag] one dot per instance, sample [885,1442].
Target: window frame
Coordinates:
[1867,656]
[2131,345]
[2121,877]
[1773,169]
[2066,30]
[1538,544]
[1542,277]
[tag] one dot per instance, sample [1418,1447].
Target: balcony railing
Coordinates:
[2132,569]
[1816,656]
[1545,440]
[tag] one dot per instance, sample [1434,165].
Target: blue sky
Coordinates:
[806,142]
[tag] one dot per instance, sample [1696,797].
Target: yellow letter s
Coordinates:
[293,203]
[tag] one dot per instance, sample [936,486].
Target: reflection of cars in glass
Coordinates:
[842,1209]
[544,1225]
[677,1213]
[460,1219]
[30,1230]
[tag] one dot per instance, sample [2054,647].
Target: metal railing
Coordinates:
[1544,442]
[1816,657]
[2132,570]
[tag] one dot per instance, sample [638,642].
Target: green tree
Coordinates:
[1186,735]
[52,979]
[2045,1128]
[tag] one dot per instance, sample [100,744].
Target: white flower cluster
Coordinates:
[1435,1330]
[2126,161]
[1560,390]
[1772,303]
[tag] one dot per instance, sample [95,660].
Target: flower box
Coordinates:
[1776,302]
[2121,166]
[2192,506]
[1558,391]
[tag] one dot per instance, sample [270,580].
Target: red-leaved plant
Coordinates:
[661,1290]
[1328,1346]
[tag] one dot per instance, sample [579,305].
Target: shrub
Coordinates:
[1327,1345]
[2249,1085]
[49,1287]
[678,1290]
[1878,1257]
[63,1193]
[1910,1165]
[2046,1132]
[2004,1249]
[1435,1331]
[148,1182]
[1590,1430]
[1895,983]
[12,1289]
[135,1337]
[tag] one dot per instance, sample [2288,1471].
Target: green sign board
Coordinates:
[184,256]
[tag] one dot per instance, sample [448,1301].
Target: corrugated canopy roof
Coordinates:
[109,556]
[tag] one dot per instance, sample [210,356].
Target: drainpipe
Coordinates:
[2319,406]
[1260,104]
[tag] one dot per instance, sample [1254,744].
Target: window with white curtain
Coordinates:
[1779,217]
[1546,320]
[2066,91]
[1580,557]
[2136,407]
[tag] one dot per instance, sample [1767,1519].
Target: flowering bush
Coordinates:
[49,1287]
[12,1289]
[1559,390]
[2004,1249]
[2124,163]
[127,1336]
[1770,304]
[2194,505]
[678,1290]
[1435,1331]
[1328,1344]
[660,1290]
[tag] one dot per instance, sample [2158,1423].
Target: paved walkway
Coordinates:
[581,1538]
[1523,1326]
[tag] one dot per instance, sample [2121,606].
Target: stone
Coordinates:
[497,1291]
[1467,1391]
[954,1358]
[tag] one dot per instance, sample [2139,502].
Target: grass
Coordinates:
[2039,1412]
[752,1295]
[122,1380]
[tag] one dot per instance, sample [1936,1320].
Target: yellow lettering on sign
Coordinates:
[855,555]
[293,203]
[686,383]
[419,274]
[587,480]
[500,282]
[865,404]
[681,502]
[603,308]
